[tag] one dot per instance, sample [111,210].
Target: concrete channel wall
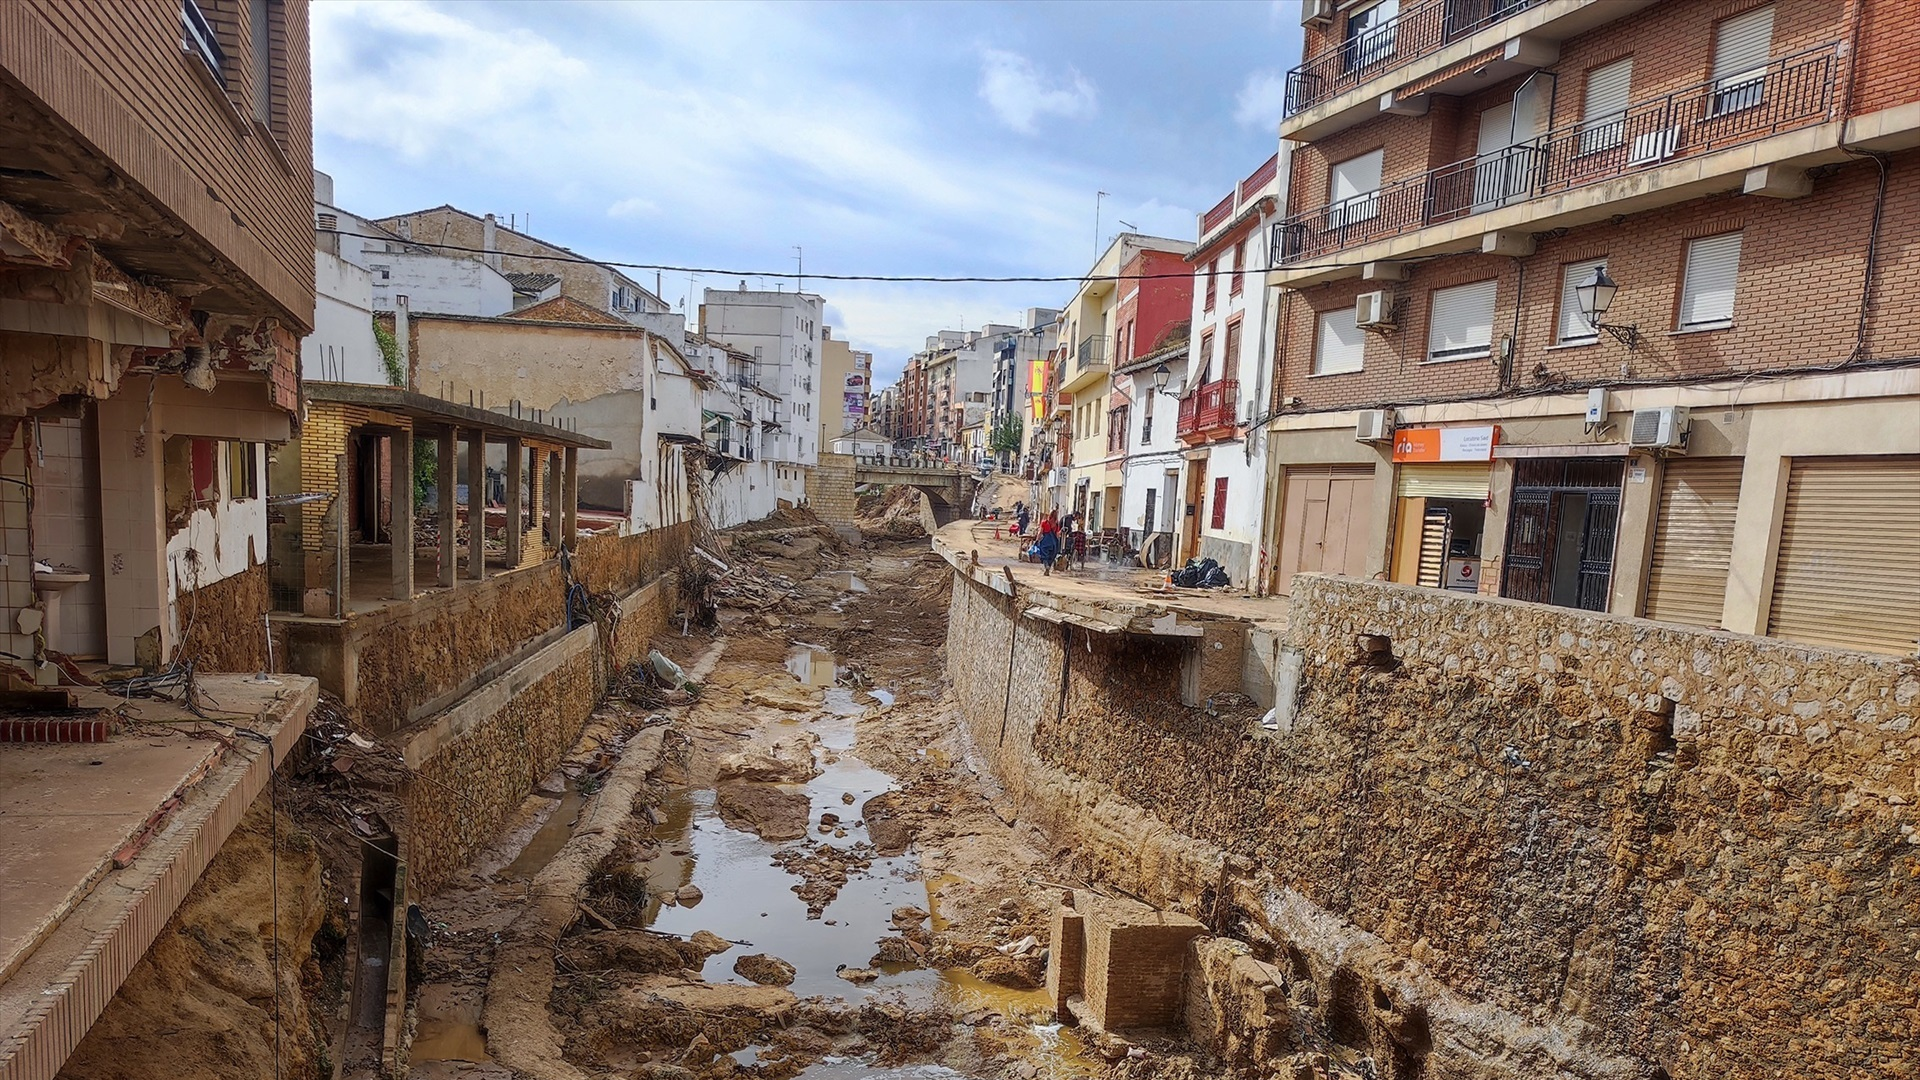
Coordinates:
[1492,839]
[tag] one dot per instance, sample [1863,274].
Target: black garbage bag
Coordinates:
[1200,574]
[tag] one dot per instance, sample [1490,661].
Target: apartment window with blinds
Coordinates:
[1574,329]
[1603,117]
[1353,189]
[1239,283]
[1341,345]
[1742,46]
[1206,356]
[1212,268]
[1462,323]
[1230,358]
[1706,294]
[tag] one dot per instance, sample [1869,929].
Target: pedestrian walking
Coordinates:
[1048,547]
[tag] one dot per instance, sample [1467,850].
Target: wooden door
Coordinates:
[1326,516]
[1195,509]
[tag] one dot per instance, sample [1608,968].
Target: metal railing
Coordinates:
[1791,92]
[1417,30]
[1091,354]
[199,33]
[1209,408]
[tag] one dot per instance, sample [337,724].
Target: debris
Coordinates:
[857,976]
[765,970]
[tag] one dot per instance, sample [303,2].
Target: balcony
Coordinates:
[1790,93]
[1086,364]
[1420,28]
[1209,412]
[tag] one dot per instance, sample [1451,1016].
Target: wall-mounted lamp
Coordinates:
[1160,376]
[1596,296]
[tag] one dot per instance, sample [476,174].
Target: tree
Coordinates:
[1006,434]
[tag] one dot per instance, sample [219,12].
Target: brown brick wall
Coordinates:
[1796,305]
[116,73]
[1889,66]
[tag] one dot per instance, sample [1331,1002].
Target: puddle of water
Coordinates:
[551,837]
[812,665]
[449,1028]
[855,1070]
[846,581]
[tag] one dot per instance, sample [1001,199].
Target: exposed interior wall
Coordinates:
[1564,843]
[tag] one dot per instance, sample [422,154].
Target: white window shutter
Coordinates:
[1713,268]
[1342,344]
[1603,115]
[1462,323]
[1743,43]
[1573,324]
[1351,180]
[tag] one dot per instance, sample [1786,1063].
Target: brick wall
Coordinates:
[1135,962]
[1509,841]
[1796,304]
[117,74]
[830,489]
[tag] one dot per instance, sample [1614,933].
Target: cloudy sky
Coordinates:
[922,138]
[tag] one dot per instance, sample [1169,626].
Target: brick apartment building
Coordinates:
[1725,429]
[156,264]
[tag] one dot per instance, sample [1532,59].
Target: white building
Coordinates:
[782,331]
[1227,375]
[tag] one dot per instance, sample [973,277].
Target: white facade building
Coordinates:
[782,331]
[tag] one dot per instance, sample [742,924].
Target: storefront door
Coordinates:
[1324,522]
[1561,524]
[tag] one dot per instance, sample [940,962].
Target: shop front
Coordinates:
[1562,523]
[1442,480]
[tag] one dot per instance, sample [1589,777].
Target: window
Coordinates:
[1603,118]
[198,38]
[260,27]
[1206,356]
[1239,284]
[243,471]
[1353,190]
[1220,503]
[1230,360]
[1211,268]
[1573,328]
[1742,46]
[1706,296]
[190,477]
[1341,346]
[1462,324]
[1370,35]
[1146,419]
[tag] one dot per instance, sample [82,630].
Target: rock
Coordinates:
[829,818]
[709,942]
[698,1052]
[847,797]
[1022,947]
[661,1071]
[689,895]
[904,917]
[1018,973]
[765,970]
[667,899]
[1009,905]
[840,834]
[858,976]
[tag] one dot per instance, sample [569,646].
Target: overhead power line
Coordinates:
[1082,279]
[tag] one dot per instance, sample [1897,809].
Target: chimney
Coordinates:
[490,240]
[403,335]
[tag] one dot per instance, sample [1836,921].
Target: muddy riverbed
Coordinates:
[809,880]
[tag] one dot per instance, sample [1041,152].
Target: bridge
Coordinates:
[949,490]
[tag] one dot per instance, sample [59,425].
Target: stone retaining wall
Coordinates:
[1510,841]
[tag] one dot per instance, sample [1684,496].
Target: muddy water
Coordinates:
[551,837]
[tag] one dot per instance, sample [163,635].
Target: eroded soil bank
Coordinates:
[796,873]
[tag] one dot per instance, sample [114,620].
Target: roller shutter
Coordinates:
[1467,480]
[1693,540]
[1848,573]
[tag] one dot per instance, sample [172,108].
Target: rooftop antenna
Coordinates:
[1097,196]
[800,266]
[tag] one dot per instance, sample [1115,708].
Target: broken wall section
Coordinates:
[1516,841]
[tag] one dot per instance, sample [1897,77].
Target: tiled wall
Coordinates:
[15,543]
[66,530]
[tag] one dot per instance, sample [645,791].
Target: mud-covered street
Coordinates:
[790,869]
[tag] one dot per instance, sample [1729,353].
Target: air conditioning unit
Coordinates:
[1664,428]
[1057,478]
[1653,146]
[1373,309]
[1314,12]
[1374,425]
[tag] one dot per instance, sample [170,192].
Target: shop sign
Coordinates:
[1445,444]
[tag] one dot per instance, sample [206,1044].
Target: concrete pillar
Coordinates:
[476,505]
[570,497]
[341,535]
[132,521]
[556,484]
[1756,537]
[1633,535]
[400,465]
[516,519]
[449,450]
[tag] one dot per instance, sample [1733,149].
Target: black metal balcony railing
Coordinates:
[1092,352]
[1418,29]
[1792,92]
[199,33]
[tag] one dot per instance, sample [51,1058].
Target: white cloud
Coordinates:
[1261,99]
[1019,94]
[633,207]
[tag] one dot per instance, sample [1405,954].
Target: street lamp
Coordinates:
[1596,296]
[1160,376]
